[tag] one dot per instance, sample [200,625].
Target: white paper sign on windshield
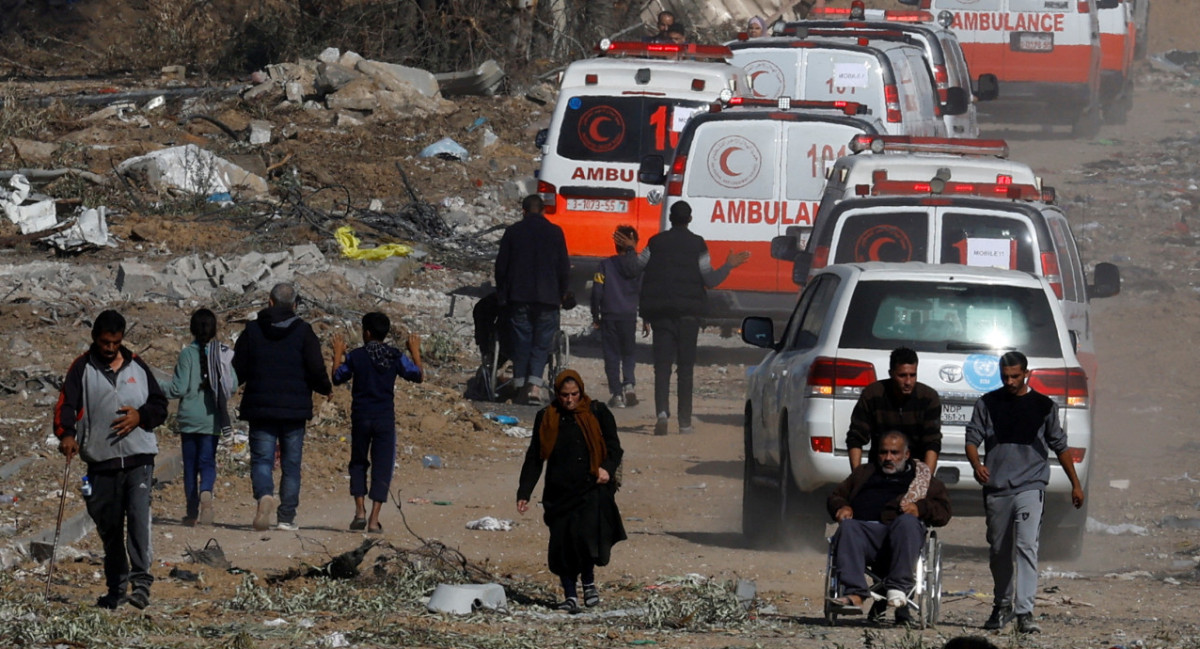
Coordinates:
[680,117]
[989,253]
[850,75]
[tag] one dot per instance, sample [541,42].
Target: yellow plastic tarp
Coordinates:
[349,243]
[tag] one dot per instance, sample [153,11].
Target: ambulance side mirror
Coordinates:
[988,87]
[652,170]
[957,101]
[1106,281]
[783,247]
[539,140]
[800,267]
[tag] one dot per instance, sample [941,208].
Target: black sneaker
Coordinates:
[660,425]
[139,598]
[904,617]
[1000,617]
[878,610]
[1025,624]
[570,605]
[111,600]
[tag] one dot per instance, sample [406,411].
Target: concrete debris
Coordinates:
[329,55]
[483,80]
[30,212]
[32,152]
[193,170]
[260,132]
[174,72]
[542,94]
[392,76]
[332,77]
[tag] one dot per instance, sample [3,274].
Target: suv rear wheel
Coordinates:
[1063,528]
[760,504]
[802,515]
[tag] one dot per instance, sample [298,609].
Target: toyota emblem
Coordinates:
[951,373]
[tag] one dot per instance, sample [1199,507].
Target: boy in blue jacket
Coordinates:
[374,368]
[614,313]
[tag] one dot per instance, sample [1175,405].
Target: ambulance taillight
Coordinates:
[1052,273]
[891,98]
[907,16]
[675,180]
[549,194]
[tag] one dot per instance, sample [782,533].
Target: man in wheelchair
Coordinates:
[882,511]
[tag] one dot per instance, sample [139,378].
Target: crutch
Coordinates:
[62,505]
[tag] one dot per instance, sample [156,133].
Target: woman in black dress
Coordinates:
[576,439]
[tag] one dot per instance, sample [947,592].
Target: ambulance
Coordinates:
[751,169]
[615,126]
[888,75]
[1118,44]
[957,91]
[1045,53]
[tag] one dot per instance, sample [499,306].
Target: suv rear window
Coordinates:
[950,317]
[622,129]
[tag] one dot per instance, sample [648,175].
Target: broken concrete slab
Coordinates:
[135,279]
[260,132]
[484,80]
[262,90]
[32,152]
[394,77]
[190,169]
[359,94]
[349,59]
[332,77]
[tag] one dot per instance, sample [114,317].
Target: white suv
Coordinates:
[848,320]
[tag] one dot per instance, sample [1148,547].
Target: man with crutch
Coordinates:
[107,411]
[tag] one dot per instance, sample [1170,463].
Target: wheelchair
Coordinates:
[491,336]
[924,598]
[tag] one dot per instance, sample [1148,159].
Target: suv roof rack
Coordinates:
[914,144]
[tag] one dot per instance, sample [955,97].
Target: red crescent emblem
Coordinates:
[594,128]
[873,251]
[724,161]
[754,79]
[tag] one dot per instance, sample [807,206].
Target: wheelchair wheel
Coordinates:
[831,586]
[559,356]
[929,581]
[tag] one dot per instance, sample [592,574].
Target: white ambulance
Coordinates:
[1118,43]
[1045,53]
[751,171]
[956,89]
[616,125]
[889,76]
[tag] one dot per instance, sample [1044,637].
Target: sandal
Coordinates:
[570,605]
[591,595]
[358,524]
[378,529]
[844,605]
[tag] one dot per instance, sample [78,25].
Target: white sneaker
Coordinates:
[287,527]
[896,598]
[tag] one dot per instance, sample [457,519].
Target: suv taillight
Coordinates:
[1066,386]
[549,194]
[1052,274]
[833,377]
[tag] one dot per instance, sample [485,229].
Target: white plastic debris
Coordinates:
[90,228]
[276,622]
[32,217]
[1118,484]
[490,524]
[446,149]
[335,639]
[463,599]
[1096,527]
[518,432]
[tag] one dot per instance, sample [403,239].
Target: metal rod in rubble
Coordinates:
[62,504]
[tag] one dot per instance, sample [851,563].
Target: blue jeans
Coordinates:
[289,435]
[533,327]
[199,467]
[372,444]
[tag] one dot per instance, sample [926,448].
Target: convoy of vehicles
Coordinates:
[822,148]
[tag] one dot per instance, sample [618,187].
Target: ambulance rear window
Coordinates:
[883,236]
[962,232]
[1041,5]
[622,129]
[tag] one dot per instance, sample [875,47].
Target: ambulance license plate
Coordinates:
[597,205]
[1033,42]
[956,415]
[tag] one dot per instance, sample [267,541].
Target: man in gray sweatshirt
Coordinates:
[107,411]
[1016,426]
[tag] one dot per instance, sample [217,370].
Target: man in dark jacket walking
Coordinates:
[882,510]
[278,358]
[531,281]
[107,411]
[678,272]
